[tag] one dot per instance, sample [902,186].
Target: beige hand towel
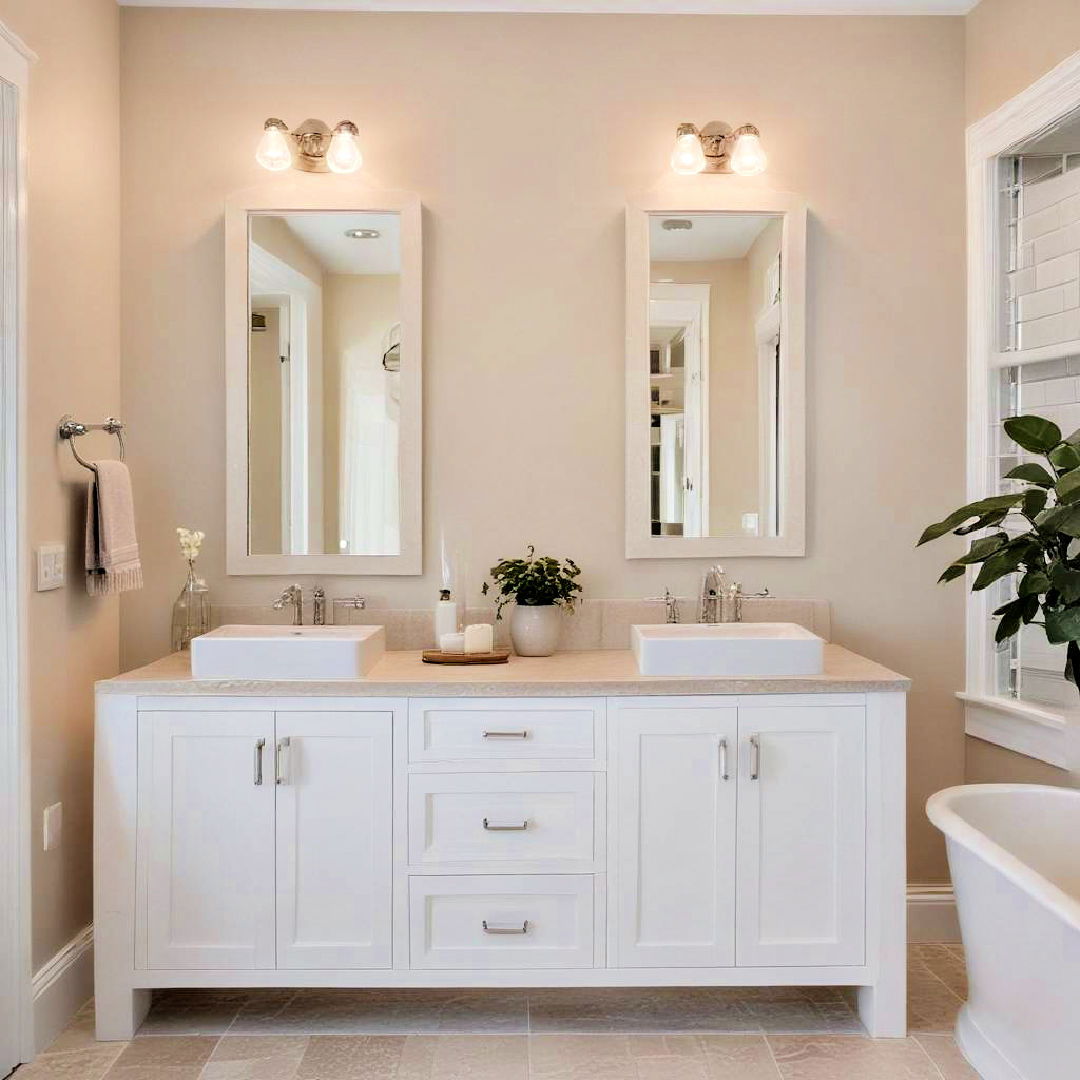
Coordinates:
[112,551]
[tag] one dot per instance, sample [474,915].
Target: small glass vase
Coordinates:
[191,612]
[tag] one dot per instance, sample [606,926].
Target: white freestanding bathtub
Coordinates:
[1014,852]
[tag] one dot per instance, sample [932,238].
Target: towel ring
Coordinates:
[72,429]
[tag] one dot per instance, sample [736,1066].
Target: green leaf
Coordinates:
[1063,625]
[1074,438]
[1033,433]
[1011,615]
[1033,473]
[987,521]
[1065,457]
[1034,503]
[997,566]
[982,549]
[1067,488]
[1060,519]
[1033,583]
[1030,609]
[972,510]
[1067,582]
[951,572]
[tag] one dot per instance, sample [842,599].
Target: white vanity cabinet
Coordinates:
[301,839]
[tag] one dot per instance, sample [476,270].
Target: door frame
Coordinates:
[16,992]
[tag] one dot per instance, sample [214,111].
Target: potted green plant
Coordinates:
[1032,532]
[538,586]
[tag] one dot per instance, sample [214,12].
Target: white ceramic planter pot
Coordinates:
[534,631]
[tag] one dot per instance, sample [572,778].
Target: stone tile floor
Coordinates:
[770,1033]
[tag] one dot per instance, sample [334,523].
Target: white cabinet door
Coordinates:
[675,822]
[802,836]
[334,835]
[206,824]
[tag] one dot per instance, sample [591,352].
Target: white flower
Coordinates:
[190,542]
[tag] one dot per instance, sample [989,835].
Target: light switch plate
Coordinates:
[54,825]
[50,567]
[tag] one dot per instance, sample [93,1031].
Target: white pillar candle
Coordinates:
[479,637]
[452,643]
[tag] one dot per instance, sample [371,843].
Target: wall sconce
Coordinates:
[718,149]
[312,147]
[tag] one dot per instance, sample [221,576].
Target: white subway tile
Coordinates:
[1059,391]
[1022,281]
[1027,254]
[1053,330]
[1047,192]
[1051,246]
[1070,210]
[1035,225]
[1032,395]
[1057,271]
[1037,304]
[1070,294]
[1069,418]
[1072,363]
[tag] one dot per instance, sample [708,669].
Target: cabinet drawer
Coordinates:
[495,819]
[501,921]
[493,729]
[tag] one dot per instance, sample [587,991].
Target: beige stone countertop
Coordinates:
[608,672]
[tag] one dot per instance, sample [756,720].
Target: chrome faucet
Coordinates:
[731,609]
[712,592]
[294,596]
[670,602]
[318,606]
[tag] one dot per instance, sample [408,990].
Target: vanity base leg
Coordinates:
[118,1013]
[883,1007]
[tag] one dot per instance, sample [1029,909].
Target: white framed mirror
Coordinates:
[323,358]
[715,376]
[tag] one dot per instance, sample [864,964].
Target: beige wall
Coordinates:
[733,387]
[74,344]
[524,278]
[990,764]
[1011,43]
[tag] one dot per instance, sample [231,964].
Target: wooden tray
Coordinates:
[436,656]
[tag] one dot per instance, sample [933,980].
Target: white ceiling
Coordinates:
[597,7]
[714,236]
[324,236]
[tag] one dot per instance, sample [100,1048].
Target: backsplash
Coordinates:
[597,624]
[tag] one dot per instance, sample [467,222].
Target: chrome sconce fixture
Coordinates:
[312,147]
[718,149]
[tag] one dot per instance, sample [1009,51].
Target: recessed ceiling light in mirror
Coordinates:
[363,234]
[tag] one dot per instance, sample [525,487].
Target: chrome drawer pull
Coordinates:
[506,828]
[723,760]
[489,929]
[755,757]
[282,760]
[259,744]
[506,734]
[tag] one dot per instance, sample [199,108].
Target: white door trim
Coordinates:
[1046,100]
[15,981]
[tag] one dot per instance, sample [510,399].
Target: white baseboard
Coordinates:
[931,914]
[62,986]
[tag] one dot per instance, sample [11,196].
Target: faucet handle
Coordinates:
[672,603]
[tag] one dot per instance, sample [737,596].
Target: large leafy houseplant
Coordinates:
[1032,532]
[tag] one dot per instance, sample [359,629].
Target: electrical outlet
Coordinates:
[54,825]
[50,567]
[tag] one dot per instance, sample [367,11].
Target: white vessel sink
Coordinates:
[727,649]
[287,652]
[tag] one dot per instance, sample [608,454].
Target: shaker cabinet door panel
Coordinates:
[675,822]
[802,836]
[206,840]
[334,834]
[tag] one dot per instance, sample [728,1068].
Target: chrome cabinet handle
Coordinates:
[755,758]
[489,929]
[506,828]
[282,760]
[259,744]
[723,760]
[506,734]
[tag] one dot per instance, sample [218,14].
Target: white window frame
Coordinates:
[16,994]
[1026,728]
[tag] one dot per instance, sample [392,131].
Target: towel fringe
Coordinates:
[110,582]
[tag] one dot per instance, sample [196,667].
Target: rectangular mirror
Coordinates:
[324,387]
[715,409]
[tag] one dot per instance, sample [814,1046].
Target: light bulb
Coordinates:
[688,157]
[343,155]
[748,158]
[273,151]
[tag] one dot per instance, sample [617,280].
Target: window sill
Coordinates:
[1034,731]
